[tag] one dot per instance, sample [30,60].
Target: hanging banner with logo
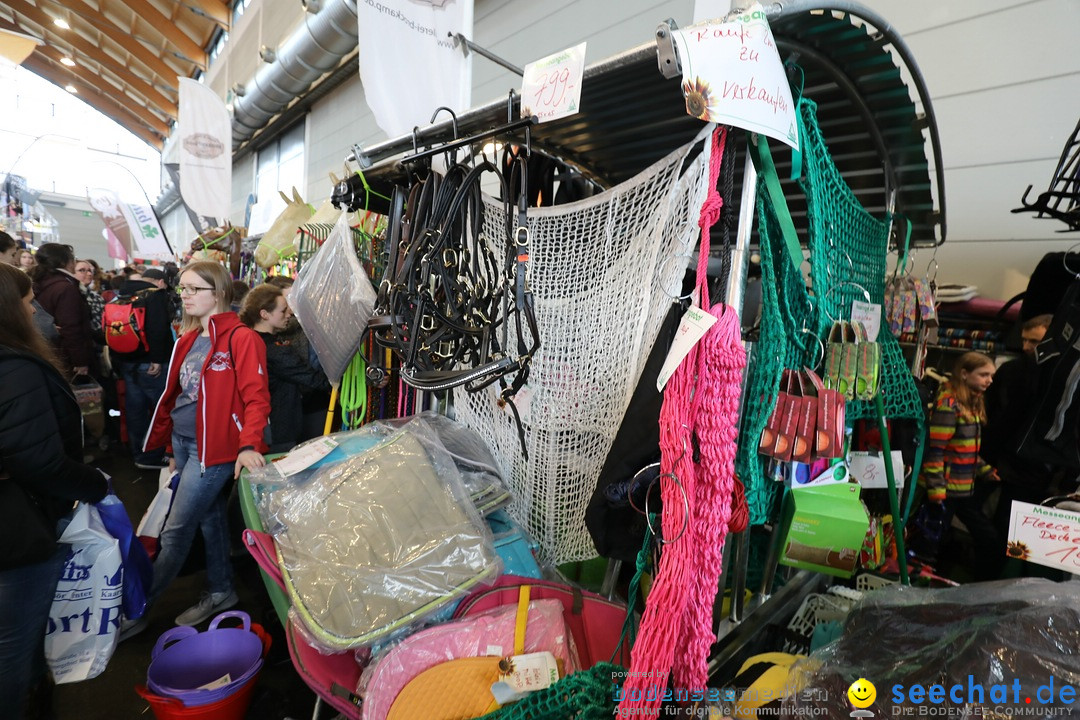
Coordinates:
[108,206]
[733,75]
[205,143]
[116,248]
[148,240]
[396,38]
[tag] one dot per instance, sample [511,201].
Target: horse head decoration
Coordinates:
[221,244]
[277,242]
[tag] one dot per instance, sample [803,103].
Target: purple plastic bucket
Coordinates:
[183,660]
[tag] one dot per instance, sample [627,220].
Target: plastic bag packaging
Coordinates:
[377,542]
[472,455]
[1013,635]
[138,572]
[84,620]
[153,520]
[479,473]
[333,300]
[487,634]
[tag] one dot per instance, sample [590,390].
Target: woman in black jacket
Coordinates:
[58,291]
[288,371]
[41,477]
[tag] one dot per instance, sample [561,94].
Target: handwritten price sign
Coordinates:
[551,88]
[732,75]
[1046,536]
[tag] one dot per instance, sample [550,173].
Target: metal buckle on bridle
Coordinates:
[449,257]
[428,323]
[522,238]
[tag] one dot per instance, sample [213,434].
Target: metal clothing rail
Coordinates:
[880,130]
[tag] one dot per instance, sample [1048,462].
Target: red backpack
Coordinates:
[124,322]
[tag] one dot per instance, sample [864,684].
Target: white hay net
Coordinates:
[604,272]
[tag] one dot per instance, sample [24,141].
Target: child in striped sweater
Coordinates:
[953,464]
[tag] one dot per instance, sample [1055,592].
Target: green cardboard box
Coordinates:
[827,529]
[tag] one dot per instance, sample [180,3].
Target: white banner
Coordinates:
[408,63]
[205,142]
[146,235]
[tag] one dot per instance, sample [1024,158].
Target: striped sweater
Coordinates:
[952,458]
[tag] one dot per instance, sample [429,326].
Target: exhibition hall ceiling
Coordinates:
[123,57]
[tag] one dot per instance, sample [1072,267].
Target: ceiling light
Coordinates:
[61,23]
[71,89]
[67,61]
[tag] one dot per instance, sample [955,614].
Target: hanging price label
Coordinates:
[551,87]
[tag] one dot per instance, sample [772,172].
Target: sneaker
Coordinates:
[210,604]
[131,628]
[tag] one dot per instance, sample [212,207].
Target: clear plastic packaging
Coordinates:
[333,300]
[990,646]
[470,454]
[379,540]
[487,634]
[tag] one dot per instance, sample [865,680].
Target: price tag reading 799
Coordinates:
[551,87]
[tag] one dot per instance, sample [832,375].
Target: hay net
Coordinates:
[848,247]
[604,272]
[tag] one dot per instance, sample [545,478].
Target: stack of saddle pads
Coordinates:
[378,540]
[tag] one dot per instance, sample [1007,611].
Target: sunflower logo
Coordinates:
[116,327]
[506,666]
[697,98]
[1018,550]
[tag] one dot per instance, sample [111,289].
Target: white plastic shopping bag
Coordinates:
[153,520]
[84,621]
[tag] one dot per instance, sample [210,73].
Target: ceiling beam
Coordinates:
[164,25]
[125,40]
[212,9]
[91,51]
[132,118]
[88,74]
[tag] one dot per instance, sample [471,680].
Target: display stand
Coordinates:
[632,116]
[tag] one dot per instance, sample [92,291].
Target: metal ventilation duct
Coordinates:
[314,49]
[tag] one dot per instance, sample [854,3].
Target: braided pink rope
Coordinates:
[654,650]
[720,361]
[673,607]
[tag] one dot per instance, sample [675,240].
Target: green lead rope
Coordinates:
[353,397]
[641,563]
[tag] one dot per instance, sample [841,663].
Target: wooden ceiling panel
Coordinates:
[129,52]
[31,20]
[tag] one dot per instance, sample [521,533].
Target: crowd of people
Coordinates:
[211,385]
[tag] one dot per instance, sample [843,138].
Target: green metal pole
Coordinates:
[894,501]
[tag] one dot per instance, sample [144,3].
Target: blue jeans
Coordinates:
[198,504]
[26,594]
[141,393]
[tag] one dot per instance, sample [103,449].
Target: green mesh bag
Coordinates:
[848,247]
[584,695]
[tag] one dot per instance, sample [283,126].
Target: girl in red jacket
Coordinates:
[210,419]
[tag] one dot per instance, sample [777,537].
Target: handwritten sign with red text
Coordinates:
[551,87]
[1046,536]
[732,75]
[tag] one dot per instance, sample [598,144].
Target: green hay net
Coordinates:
[584,695]
[848,247]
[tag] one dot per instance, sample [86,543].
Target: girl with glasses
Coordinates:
[211,420]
